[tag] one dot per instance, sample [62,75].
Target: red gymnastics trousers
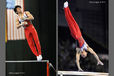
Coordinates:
[73,26]
[32,38]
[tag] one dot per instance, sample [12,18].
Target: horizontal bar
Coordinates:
[82,73]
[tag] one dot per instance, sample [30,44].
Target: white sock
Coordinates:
[39,58]
[66,4]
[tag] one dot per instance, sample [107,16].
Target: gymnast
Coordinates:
[76,34]
[24,20]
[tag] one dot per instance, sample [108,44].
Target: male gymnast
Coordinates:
[76,34]
[24,20]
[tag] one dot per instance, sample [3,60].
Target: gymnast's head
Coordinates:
[84,54]
[17,9]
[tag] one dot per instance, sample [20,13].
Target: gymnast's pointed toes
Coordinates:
[66,4]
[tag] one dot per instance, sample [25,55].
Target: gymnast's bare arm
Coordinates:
[29,16]
[89,49]
[18,25]
[78,52]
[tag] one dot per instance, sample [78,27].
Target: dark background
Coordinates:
[44,13]
[93,22]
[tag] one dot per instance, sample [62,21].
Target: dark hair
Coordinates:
[15,9]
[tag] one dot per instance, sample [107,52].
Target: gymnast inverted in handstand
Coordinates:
[76,34]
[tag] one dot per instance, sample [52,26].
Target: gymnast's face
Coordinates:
[84,54]
[19,10]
